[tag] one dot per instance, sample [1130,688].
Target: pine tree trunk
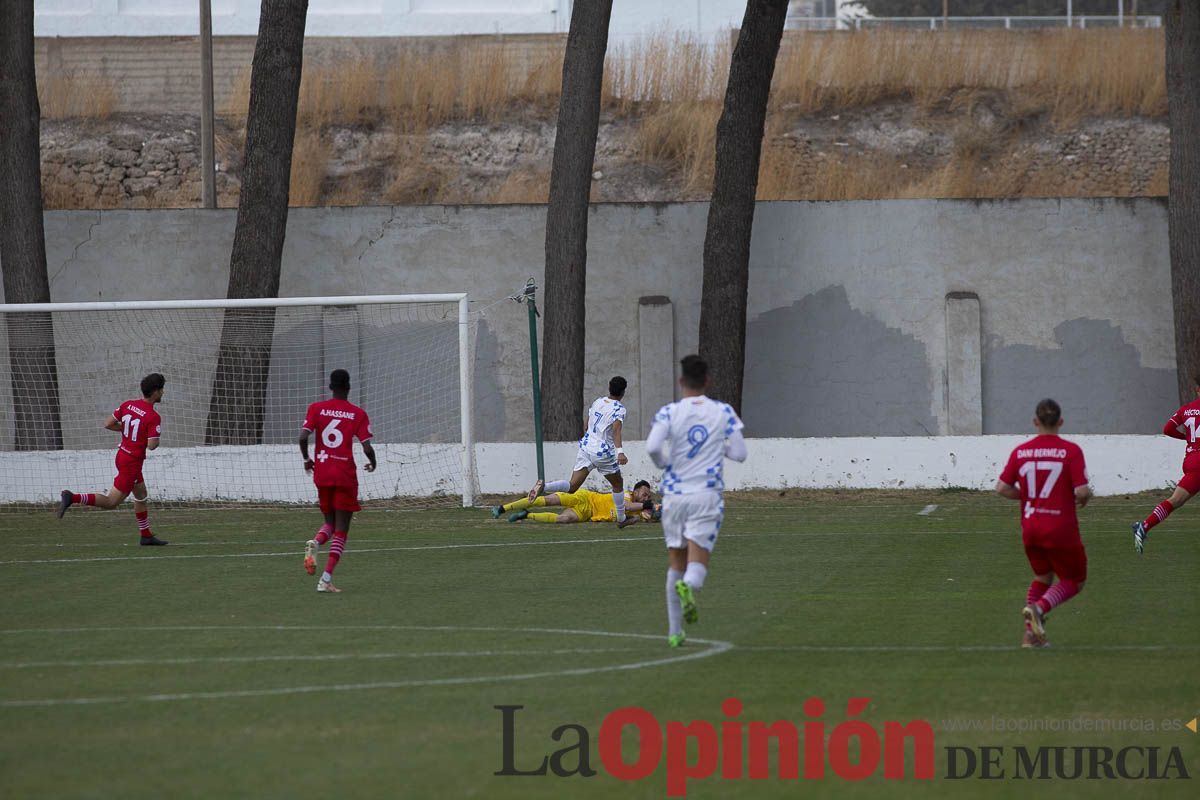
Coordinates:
[567,219]
[238,404]
[731,213]
[1183,102]
[22,238]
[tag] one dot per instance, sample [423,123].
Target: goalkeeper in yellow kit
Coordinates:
[581,505]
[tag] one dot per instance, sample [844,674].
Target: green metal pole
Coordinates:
[537,384]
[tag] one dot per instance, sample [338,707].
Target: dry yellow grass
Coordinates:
[309,157]
[670,90]
[69,95]
[1069,72]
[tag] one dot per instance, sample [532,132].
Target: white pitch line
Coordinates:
[713,648]
[296,550]
[968,648]
[927,510]
[135,662]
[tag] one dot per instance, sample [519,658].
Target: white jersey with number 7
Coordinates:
[688,440]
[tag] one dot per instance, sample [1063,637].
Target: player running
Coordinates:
[600,450]
[336,422]
[140,427]
[582,506]
[1052,477]
[1183,424]
[690,440]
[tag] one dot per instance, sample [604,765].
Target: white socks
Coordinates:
[695,575]
[674,607]
[553,487]
[619,502]
[326,577]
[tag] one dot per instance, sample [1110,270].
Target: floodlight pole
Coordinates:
[207,154]
[529,298]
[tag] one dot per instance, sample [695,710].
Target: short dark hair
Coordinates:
[640,484]
[1049,412]
[616,386]
[339,380]
[152,383]
[695,371]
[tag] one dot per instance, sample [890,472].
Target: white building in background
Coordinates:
[630,18]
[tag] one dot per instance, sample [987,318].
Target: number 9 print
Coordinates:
[697,435]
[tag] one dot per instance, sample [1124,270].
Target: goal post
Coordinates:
[409,356]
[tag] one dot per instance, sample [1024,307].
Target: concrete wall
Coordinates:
[847,334]
[974,462]
[377,17]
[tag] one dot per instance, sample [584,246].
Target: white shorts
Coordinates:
[696,517]
[605,465]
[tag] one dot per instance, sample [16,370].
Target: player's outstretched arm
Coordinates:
[735,447]
[616,432]
[1175,430]
[1082,495]
[370,453]
[308,463]
[656,444]
[112,423]
[1007,490]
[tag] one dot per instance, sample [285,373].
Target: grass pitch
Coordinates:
[212,668]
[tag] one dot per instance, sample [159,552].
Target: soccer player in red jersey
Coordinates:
[1183,424]
[140,427]
[335,422]
[1048,475]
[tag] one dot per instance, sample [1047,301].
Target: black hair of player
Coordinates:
[616,387]
[152,383]
[640,484]
[1049,413]
[339,383]
[695,372]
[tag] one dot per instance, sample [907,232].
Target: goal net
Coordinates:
[240,376]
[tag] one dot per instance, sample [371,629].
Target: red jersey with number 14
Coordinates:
[336,423]
[1186,421]
[139,424]
[1047,469]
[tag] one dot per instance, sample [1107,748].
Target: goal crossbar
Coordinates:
[464,340]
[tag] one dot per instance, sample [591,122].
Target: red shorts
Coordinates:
[129,472]
[1190,482]
[338,498]
[1067,561]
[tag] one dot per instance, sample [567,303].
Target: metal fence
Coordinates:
[798,23]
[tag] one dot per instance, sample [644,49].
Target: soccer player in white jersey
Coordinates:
[599,449]
[690,440]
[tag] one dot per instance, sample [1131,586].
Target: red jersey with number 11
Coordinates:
[1047,469]
[139,424]
[336,423]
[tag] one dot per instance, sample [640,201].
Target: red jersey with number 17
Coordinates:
[1047,469]
[139,424]
[1186,423]
[336,423]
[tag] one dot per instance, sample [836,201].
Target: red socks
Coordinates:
[1160,513]
[1036,590]
[84,499]
[335,550]
[143,518]
[323,534]
[1058,594]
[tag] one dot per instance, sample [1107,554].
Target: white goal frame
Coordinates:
[464,339]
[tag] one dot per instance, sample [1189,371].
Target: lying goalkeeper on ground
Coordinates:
[583,506]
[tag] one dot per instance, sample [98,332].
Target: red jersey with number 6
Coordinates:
[139,424]
[1186,425]
[1047,469]
[336,423]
